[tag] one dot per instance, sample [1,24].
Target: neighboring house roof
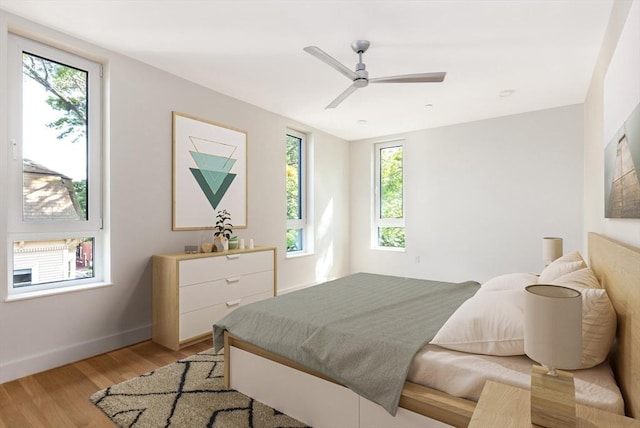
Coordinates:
[47,194]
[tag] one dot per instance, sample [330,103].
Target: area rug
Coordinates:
[187,393]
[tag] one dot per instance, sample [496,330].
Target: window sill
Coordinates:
[392,249]
[55,291]
[298,254]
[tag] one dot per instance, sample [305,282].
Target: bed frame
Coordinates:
[317,400]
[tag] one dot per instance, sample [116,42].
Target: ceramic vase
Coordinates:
[220,243]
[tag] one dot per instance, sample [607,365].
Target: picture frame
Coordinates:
[209,173]
[621,122]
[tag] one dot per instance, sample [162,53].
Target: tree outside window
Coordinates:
[295,192]
[390,196]
[55,122]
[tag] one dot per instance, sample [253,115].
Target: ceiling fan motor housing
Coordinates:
[363,76]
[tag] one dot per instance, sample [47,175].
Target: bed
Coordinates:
[319,400]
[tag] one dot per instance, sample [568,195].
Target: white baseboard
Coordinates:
[300,287]
[58,357]
[282,291]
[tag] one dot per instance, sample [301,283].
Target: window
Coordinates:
[296,193]
[389,196]
[21,277]
[54,173]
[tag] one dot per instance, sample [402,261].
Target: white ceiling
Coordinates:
[544,50]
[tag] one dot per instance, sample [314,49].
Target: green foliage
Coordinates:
[293,178]
[223,224]
[67,89]
[293,193]
[81,194]
[391,184]
[391,237]
[294,209]
[294,241]
[391,196]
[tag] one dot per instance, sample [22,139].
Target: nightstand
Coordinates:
[502,405]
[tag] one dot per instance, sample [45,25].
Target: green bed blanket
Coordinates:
[362,330]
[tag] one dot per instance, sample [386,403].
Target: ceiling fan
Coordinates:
[360,77]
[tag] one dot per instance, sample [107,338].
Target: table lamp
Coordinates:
[551,248]
[553,338]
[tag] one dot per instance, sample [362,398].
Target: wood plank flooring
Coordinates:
[60,397]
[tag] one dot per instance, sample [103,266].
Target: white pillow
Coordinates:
[492,323]
[579,278]
[509,281]
[487,323]
[598,317]
[563,265]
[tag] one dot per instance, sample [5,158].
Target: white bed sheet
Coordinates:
[463,375]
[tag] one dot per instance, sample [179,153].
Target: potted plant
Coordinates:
[223,230]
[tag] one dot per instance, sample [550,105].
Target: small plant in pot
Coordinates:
[223,231]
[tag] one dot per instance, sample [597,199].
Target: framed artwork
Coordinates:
[622,123]
[622,170]
[209,173]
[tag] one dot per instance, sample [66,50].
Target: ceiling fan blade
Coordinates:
[411,78]
[340,98]
[328,59]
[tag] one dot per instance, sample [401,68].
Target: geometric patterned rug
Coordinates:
[187,393]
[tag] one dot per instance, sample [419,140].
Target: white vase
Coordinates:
[220,243]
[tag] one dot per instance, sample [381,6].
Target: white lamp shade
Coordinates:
[551,248]
[553,326]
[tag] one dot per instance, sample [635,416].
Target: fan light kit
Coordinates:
[360,77]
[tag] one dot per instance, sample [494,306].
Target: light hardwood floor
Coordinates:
[60,397]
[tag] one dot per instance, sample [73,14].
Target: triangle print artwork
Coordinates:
[213,173]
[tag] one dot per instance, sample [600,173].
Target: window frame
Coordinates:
[302,222]
[377,221]
[20,230]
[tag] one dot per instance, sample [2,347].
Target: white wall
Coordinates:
[479,196]
[45,332]
[625,230]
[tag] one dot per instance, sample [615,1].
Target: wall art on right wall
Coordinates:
[622,123]
[622,170]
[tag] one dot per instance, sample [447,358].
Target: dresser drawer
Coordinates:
[224,290]
[201,321]
[207,269]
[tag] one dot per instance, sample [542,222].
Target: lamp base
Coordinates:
[553,398]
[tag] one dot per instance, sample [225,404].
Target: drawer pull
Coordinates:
[233,256]
[232,280]
[234,303]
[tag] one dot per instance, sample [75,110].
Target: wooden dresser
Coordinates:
[193,291]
